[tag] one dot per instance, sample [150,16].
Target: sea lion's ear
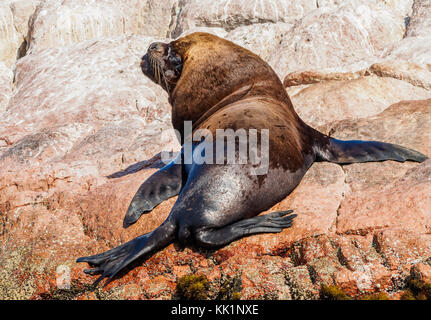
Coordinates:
[175,62]
[174,58]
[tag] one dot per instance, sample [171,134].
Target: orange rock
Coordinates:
[422,272]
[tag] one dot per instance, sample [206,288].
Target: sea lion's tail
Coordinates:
[353,151]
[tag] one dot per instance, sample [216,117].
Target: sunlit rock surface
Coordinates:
[81,128]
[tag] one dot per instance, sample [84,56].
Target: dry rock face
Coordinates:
[8,35]
[80,127]
[6,78]
[58,23]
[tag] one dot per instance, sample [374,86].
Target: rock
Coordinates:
[310,77]
[388,194]
[414,47]
[314,39]
[300,283]
[262,39]
[403,123]
[351,99]
[22,11]
[9,40]
[93,83]
[420,20]
[415,74]
[6,78]
[398,247]
[421,271]
[230,14]
[81,128]
[59,23]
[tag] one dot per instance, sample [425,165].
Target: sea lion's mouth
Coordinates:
[162,65]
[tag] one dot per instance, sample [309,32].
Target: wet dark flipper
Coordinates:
[162,185]
[109,263]
[354,151]
[269,223]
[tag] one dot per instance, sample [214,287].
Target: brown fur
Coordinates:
[223,86]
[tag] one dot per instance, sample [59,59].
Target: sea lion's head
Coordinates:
[199,70]
[162,65]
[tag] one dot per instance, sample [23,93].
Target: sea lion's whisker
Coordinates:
[166,82]
[159,72]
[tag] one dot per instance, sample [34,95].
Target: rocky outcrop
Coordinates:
[8,36]
[357,98]
[343,39]
[230,14]
[6,78]
[81,128]
[58,23]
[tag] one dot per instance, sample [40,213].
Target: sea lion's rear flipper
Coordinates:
[273,222]
[352,151]
[162,185]
[109,263]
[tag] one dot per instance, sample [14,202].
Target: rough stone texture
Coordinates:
[230,14]
[6,78]
[81,127]
[58,23]
[345,38]
[358,98]
[421,271]
[8,36]
[415,46]
[91,86]
[263,39]
[420,23]
[415,74]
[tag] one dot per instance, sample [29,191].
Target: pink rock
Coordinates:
[359,98]
[366,32]
[60,23]
[262,39]
[9,41]
[81,110]
[388,194]
[107,87]
[422,272]
[398,246]
[415,46]
[300,284]
[6,78]
[420,21]
[417,75]
[229,14]
[22,11]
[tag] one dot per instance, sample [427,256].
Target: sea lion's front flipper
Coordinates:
[273,222]
[162,185]
[354,151]
[109,263]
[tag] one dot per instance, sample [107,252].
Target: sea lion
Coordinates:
[217,84]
